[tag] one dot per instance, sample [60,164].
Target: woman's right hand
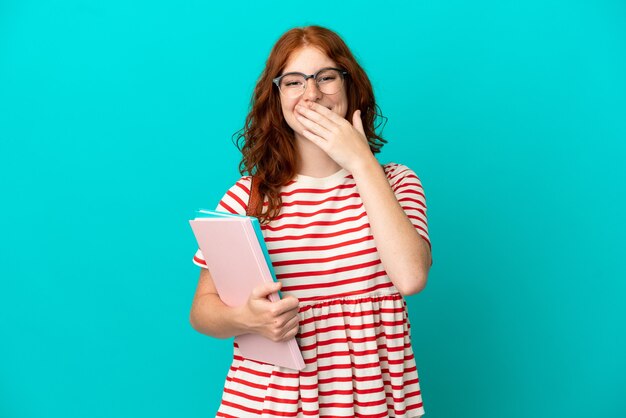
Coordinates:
[277,321]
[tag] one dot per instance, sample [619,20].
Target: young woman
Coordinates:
[347,238]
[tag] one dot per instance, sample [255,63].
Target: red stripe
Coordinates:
[420,229]
[318,212]
[407,395]
[242,186]
[420,210]
[321,247]
[381,415]
[280,400]
[241,407]
[318,202]
[223,415]
[377,298]
[236,199]
[388,337]
[246,383]
[337,379]
[397,174]
[243,395]
[228,208]
[327,235]
[408,199]
[347,294]
[417,226]
[409,185]
[280,413]
[317,223]
[404,347]
[403,411]
[418,405]
[390,168]
[325,259]
[409,383]
[376,324]
[402,195]
[334,284]
[199,260]
[410,175]
[423,219]
[283,387]
[328,272]
[357,353]
[342,366]
[352,404]
[403,174]
[348,314]
[253,371]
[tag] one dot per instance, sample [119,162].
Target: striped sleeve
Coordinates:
[410,194]
[234,201]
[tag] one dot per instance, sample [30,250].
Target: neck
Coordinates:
[313,161]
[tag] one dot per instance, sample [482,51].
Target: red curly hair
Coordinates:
[267,142]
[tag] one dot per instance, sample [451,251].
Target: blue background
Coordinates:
[115,125]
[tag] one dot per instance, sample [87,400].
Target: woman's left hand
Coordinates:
[344,142]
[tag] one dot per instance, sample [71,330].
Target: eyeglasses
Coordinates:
[328,80]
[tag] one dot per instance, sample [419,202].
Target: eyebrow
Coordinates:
[302,72]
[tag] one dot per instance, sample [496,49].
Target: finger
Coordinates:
[287,307]
[319,118]
[357,122]
[292,323]
[293,331]
[286,317]
[323,110]
[291,313]
[265,289]
[317,140]
[292,301]
[290,329]
[284,308]
[314,127]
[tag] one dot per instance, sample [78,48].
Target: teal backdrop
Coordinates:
[116,120]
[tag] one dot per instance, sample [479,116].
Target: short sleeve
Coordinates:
[234,201]
[410,194]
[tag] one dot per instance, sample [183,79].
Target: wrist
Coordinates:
[239,318]
[365,167]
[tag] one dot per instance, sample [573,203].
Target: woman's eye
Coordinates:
[327,76]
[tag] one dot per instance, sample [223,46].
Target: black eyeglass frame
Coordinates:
[277,80]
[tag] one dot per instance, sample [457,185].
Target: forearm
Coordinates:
[210,316]
[404,254]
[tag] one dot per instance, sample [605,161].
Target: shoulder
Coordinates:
[243,184]
[235,200]
[398,173]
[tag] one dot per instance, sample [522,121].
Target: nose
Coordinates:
[312,92]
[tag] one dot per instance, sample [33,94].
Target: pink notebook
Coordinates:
[236,259]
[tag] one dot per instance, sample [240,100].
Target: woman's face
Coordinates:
[309,60]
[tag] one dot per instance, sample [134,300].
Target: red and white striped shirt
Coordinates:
[354,330]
